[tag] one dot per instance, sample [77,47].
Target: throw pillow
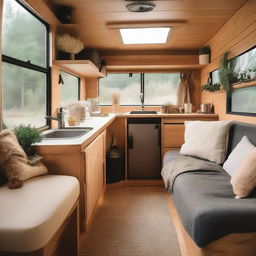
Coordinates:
[206,140]
[242,149]
[244,179]
[14,162]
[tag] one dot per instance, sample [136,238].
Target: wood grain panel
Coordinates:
[94,177]
[173,135]
[236,36]
[203,19]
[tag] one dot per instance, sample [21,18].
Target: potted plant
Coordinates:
[26,136]
[204,55]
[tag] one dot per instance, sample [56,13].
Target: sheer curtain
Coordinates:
[183,94]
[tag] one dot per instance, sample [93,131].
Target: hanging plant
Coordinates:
[227,72]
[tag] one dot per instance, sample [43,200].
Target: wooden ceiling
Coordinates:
[194,22]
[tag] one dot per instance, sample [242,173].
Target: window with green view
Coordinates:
[25,66]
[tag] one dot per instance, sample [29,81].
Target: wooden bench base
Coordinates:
[65,241]
[230,245]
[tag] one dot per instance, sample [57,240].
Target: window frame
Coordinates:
[26,64]
[78,79]
[142,88]
[229,97]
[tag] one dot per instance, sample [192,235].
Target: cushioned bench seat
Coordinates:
[31,215]
[207,207]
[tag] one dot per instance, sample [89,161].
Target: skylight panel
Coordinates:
[145,35]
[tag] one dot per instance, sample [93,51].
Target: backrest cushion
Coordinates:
[237,131]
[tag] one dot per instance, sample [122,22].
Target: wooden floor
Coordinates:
[132,221]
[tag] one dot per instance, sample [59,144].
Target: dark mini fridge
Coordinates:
[144,148]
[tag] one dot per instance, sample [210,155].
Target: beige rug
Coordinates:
[133,221]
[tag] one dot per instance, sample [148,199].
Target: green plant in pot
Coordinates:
[204,55]
[26,136]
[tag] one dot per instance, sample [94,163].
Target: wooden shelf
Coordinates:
[79,67]
[243,85]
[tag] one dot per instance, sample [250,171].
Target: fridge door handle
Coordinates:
[157,126]
[130,141]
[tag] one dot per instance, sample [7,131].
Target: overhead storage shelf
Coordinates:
[79,67]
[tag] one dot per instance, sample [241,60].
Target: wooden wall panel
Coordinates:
[236,36]
[92,88]
[82,88]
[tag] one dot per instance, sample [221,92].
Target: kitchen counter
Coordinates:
[99,124]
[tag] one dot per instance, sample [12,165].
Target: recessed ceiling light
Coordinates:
[145,35]
[140,7]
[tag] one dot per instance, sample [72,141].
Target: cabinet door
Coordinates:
[94,174]
[173,135]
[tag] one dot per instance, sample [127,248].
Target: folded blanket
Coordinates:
[14,162]
[182,164]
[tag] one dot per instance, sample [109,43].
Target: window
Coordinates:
[127,85]
[241,101]
[156,88]
[25,66]
[161,89]
[215,77]
[70,88]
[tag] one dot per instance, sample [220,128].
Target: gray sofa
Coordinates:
[205,200]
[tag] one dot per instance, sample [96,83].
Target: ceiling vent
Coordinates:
[140,7]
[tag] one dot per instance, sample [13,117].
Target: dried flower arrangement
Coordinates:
[69,44]
[115,98]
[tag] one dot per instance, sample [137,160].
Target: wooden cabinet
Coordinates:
[173,135]
[94,174]
[87,164]
[173,130]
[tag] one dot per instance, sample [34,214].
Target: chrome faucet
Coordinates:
[59,118]
[142,101]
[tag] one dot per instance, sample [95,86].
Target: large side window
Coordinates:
[241,100]
[156,88]
[70,88]
[25,66]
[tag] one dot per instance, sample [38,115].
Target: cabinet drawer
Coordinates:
[173,135]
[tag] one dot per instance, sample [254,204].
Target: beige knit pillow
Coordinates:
[244,179]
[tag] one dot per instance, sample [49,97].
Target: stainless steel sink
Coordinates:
[135,112]
[67,133]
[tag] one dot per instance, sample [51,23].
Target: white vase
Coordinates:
[204,59]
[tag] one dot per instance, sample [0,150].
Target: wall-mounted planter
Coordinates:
[204,59]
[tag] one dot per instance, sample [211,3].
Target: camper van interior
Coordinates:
[128,128]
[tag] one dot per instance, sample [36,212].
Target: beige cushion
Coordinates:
[206,140]
[30,216]
[242,149]
[244,179]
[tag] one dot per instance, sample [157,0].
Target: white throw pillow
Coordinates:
[207,140]
[239,153]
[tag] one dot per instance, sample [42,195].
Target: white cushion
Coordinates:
[206,140]
[31,215]
[239,153]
